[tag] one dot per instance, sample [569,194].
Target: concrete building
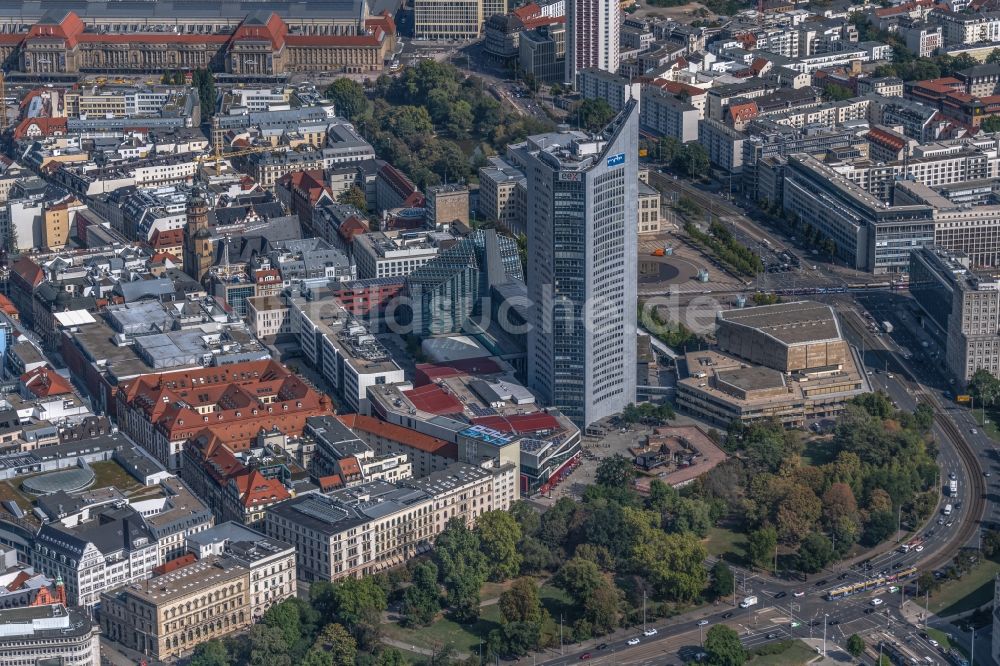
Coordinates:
[666,114]
[649,209]
[342,349]
[787,361]
[616,90]
[447,204]
[503,195]
[961,303]
[582,213]
[723,144]
[49,634]
[868,234]
[593,36]
[379,255]
[447,20]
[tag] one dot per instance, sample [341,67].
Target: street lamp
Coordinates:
[825,615]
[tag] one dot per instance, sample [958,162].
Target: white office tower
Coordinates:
[593,32]
[582,207]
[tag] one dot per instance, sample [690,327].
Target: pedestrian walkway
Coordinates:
[409,647]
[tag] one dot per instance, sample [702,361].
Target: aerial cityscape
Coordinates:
[467,332]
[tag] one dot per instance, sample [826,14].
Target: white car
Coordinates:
[701,623]
[919,549]
[973,431]
[633,641]
[798,594]
[649,632]
[876,602]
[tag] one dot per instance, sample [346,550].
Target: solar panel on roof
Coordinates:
[320,510]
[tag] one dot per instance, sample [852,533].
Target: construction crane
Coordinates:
[217,155]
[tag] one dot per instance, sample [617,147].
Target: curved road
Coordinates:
[779,608]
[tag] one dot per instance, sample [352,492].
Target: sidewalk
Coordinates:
[391,642]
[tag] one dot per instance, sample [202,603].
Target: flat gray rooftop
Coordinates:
[790,323]
[756,378]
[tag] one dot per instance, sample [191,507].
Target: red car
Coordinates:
[585,655]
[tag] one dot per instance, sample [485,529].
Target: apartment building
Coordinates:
[448,19]
[963,28]
[594,83]
[667,114]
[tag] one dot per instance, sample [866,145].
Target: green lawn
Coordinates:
[972,591]
[110,473]
[555,601]
[726,544]
[818,451]
[940,637]
[797,654]
[463,637]
[991,427]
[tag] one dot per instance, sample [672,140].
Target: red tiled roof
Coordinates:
[740,112]
[175,564]
[256,489]
[7,307]
[274,31]
[44,382]
[47,127]
[395,433]
[349,466]
[170,400]
[331,482]
[884,138]
[166,238]
[28,271]
[18,581]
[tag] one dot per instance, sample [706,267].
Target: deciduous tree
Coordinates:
[499,534]
[723,646]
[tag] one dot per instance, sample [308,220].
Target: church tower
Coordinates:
[197,237]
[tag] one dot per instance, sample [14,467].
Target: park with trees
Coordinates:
[433,122]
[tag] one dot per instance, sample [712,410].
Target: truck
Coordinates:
[887,326]
[748,602]
[946,510]
[953,488]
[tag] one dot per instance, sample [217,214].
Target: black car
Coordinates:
[602,646]
[726,616]
[781,595]
[821,583]
[897,565]
[834,622]
[843,576]
[771,637]
[869,611]
[814,623]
